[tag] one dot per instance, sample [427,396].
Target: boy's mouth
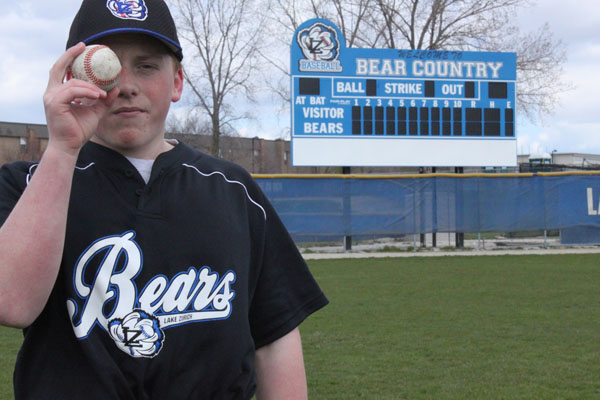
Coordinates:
[128,111]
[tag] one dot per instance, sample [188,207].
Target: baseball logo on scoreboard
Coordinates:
[320,47]
[390,107]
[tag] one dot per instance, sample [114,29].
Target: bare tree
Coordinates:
[349,15]
[221,41]
[441,24]
[540,60]
[465,25]
[478,25]
[284,18]
[190,121]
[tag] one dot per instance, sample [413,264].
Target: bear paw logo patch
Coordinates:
[137,334]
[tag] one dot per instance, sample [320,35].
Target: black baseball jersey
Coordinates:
[165,289]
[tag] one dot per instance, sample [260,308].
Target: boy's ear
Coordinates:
[177,85]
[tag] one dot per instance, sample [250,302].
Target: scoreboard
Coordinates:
[389,107]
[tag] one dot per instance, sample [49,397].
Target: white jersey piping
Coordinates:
[34,166]
[229,181]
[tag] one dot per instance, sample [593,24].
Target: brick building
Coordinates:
[258,156]
[22,141]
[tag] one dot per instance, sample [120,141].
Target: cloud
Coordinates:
[23,81]
[33,37]
[575,125]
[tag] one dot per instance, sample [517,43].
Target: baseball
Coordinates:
[99,65]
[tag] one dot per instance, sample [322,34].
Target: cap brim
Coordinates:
[173,46]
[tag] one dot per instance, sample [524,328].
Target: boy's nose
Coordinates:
[127,84]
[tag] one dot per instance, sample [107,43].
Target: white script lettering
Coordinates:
[199,293]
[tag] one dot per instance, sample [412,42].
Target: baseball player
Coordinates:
[140,268]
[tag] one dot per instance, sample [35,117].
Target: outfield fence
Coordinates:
[331,206]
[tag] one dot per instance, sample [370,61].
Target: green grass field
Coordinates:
[501,327]
[10,341]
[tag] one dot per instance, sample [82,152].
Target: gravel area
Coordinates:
[445,246]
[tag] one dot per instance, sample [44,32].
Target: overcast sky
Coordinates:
[33,34]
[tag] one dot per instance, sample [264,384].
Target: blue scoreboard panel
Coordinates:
[389,107]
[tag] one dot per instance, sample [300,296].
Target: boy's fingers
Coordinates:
[59,69]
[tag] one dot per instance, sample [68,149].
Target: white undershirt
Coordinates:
[144,167]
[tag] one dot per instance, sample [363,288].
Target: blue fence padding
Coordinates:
[366,206]
[580,235]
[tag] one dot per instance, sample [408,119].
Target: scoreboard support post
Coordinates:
[347,209]
[422,236]
[459,236]
[434,233]
[348,243]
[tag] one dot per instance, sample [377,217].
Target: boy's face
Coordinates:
[134,124]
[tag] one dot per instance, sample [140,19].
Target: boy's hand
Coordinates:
[73,108]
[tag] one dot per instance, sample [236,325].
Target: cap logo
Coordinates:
[128,9]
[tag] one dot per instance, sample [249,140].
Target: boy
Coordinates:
[140,268]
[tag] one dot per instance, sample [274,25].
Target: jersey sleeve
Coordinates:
[286,292]
[13,180]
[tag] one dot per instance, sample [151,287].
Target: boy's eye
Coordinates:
[148,66]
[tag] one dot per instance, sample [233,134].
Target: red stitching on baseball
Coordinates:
[89,72]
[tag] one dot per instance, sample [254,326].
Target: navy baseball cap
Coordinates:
[99,18]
